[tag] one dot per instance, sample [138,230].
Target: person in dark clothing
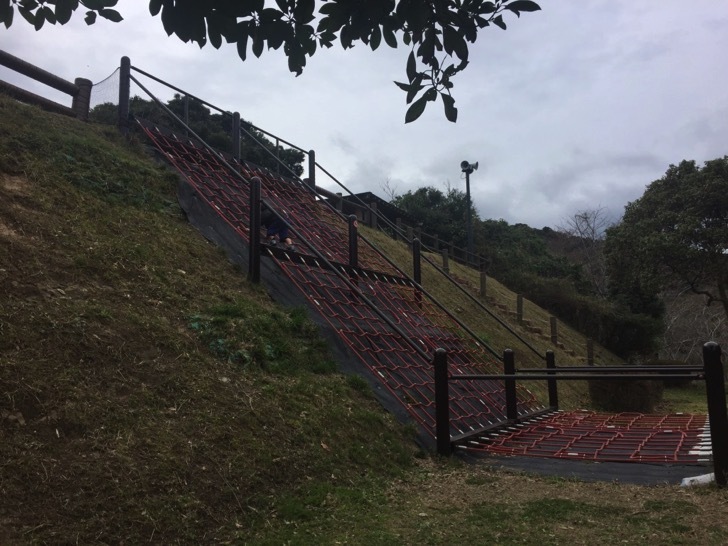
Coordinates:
[276,229]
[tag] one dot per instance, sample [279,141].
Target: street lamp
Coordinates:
[468,168]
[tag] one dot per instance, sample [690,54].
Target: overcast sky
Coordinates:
[578,106]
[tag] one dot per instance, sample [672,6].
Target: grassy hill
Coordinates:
[150,394]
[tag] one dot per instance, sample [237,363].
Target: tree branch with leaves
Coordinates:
[436,31]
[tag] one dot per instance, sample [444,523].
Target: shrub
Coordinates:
[671,383]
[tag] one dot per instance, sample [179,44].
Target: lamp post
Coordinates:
[468,168]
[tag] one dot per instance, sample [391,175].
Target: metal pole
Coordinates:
[442,404]
[254,226]
[717,414]
[470,225]
[509,368]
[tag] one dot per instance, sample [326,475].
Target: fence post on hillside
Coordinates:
[717,414]
[519,308]
[509,368]
[278,155]
[254,231]
[353,242]
[483,279]
[124,89]
[416,264]
[82,100]
[445,261]
[186,110]
[552,384]
[590,351]
[417,269]
[435,243]
[418,231]
[236,135]
[554,330]
[410,234]
[442,404]
[373,215]
[312,168]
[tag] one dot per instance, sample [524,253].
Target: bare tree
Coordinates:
[587,229]
[689,323]
[389,190]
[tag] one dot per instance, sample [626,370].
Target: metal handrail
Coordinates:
[317,191]
[299,236]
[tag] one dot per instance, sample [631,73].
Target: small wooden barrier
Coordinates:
[79,90]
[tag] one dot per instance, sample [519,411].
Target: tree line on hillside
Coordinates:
[612,282]
[214,128]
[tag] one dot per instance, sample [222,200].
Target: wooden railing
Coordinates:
[79,90]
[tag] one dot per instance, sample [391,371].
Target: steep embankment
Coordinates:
[149,394]
[147,390]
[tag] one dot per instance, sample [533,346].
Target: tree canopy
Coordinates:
[440,213]
[674,236]
[436,31]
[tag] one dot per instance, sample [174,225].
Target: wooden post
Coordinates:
[312,168]
[82,98]
[254,232]
[236,135]
[509,368]
[373,214]
[717,415]
[483,279]
[186,106]
[124,90]
[552,383]
[445,261]
[417,269]
[590,351]
[353,242]
[442,404]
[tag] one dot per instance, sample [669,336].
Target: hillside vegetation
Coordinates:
[150,394]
